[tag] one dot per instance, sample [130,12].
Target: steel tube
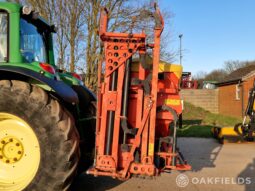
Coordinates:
[111,116]
[174,144]
[125,94]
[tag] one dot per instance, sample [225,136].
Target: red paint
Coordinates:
[142,108]
[48,68]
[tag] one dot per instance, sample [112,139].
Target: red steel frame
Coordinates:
[114,161]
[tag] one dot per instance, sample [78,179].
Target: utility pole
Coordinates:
[180,36]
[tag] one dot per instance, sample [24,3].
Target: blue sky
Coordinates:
[214,31]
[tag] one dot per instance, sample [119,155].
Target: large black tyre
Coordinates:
[55,130]
[87,145]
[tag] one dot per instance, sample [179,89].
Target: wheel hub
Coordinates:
[19,153]
[11,150]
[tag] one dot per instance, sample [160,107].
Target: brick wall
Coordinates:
[207,99]
[222,100]
[247,85]
[228,104]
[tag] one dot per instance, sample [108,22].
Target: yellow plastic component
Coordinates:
[175,68]
[151,149]
[172,102]
[19,154]
[163,67]
[228,131]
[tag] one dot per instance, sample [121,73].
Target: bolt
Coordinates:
[3,142]
[1,157]
[7,161]
[10,140]
[17,144]
[15,159]
[19,152]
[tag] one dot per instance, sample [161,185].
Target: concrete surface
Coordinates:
[215,167]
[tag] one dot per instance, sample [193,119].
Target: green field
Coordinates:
[198,122]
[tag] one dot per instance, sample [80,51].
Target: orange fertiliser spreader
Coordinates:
[138,106]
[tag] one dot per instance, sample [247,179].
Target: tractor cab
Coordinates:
[32,47]
[44,111]
[33,42]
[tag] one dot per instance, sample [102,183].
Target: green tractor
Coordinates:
[46,115]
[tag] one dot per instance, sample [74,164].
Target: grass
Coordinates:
[198,122]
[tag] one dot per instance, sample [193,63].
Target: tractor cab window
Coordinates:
[32,42]
[3,36]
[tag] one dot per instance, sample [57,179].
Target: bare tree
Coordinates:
[200,75]
[93,48]
[232,65]
[216,75]
[77,43]
[61,41]
[54,12]
[124,16]
[75,20]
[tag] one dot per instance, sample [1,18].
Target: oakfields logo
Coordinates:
[183,180]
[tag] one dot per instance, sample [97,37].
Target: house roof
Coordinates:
[238,75]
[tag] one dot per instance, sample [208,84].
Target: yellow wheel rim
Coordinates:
[19,153]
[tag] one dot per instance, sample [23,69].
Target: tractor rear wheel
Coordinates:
[39,143]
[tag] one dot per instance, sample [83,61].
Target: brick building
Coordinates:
[234,91]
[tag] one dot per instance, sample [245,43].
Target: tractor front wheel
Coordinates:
[39,144]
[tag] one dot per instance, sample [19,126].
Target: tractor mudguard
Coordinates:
[61,89]
[85,96]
